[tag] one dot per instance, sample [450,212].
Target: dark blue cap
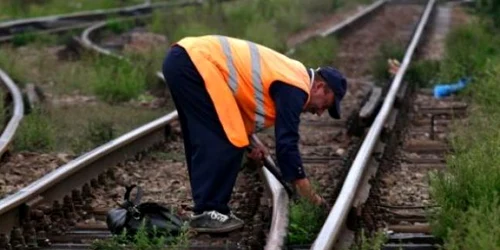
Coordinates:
[337,82]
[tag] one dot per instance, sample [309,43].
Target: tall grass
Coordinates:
[267,22]
[36,133]
[143,241]
[468,192]
[306,220]
[489,9]
[379,64]
[117,80]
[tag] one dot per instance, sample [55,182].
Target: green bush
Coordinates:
[369,242]
[118,81]
[142,241]
[468,192]
[306,220]
[35,133]
[317,52]
[423,73]
[468,49]
[489,9]
[379,64]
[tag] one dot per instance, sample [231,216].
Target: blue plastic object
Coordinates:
[444,90]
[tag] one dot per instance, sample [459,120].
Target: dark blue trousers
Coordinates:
[213,162]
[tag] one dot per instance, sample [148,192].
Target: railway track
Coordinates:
[80,20]
[59,24]
[387,186]
[328,148]
[400,200]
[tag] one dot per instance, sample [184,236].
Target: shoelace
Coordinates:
[218,216]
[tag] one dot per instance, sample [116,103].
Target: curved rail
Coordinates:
[17,114]
[88,44]
[57,23]
[332,227]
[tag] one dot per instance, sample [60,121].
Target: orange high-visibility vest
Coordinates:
[237,76]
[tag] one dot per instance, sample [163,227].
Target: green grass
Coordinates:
[117,80]
[306,220]
[263,21]
[468,193]
[13,9]
[379,64]
[80,126]
[317,52]
[369,242]
[35,133]
[142,241]
[489,9]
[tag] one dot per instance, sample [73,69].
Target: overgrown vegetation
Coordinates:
[369,242]
[81,122]
[468,193]
[317,52]
[489,9]
[143,241]
[305,222]
[269,23]
[117,80]
[379,64]
[35,133]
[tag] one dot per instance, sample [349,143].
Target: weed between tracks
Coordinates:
[266,22]
[468,193]
[143,241]
[88,102]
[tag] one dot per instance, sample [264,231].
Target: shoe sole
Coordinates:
[217,230]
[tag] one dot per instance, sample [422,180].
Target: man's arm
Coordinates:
[289,102]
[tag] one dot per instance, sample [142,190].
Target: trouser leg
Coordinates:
[214,161]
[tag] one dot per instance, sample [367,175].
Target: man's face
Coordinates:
[321,99]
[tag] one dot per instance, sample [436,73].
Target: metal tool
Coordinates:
[270,164]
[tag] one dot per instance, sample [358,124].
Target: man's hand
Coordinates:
[393,66]
[305,190]
[258,153]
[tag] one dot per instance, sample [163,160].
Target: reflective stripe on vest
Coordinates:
[237,76]
[260,112]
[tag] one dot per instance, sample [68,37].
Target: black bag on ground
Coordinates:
[130,216]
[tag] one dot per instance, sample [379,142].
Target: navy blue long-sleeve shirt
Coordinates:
[289,102]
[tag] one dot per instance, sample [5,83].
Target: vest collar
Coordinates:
[311,74]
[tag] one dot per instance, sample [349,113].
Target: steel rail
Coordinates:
[54,185]
[279,196]
[17,114]
[343,25]
[88,44]
[9,28]
[337,216]
[9,131]
[279,223]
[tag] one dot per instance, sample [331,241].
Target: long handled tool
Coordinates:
[273,168]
